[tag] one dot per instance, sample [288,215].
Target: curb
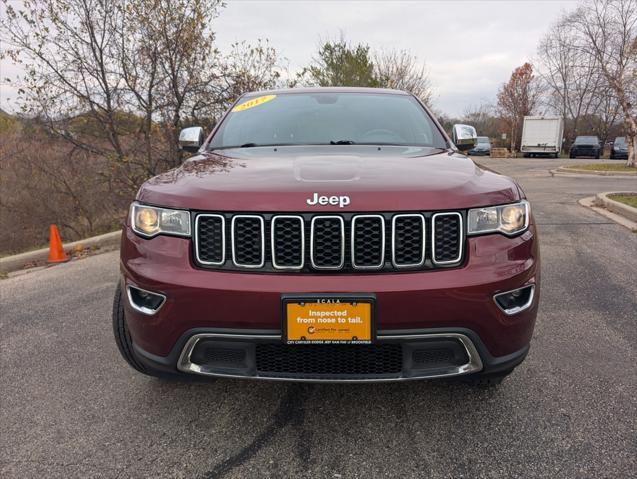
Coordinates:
[617,207]
[39,257]
[576,171]
[592,203]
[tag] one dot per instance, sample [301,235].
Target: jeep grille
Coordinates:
[304,243]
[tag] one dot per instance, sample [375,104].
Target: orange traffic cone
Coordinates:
[56,252]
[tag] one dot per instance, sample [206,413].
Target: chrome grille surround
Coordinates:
[433,238]
[233,240]
[313,240]
[271,242]
[223,239]
[395,263]
[353,248]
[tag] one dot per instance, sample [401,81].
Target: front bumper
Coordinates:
[410,306]
[249,354]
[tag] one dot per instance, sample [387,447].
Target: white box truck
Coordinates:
[542,135]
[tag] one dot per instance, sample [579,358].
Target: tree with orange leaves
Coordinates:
[518,98]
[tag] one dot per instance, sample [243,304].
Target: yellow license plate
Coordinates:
[329,321]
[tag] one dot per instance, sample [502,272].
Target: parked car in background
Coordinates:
[586,146]
[482,148]
[619,150]
[542,135]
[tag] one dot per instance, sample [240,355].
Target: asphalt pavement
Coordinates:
[71,407]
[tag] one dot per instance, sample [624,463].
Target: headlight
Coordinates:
[508,219]
[150,221]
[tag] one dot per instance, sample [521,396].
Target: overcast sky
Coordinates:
[469,46]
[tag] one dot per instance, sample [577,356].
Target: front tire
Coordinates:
[122,335]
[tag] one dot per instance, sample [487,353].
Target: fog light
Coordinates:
[145,302]
[516,301]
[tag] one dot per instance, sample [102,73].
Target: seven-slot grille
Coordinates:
[315,243]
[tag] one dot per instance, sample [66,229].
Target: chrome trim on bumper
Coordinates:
[517,309]
[144,309]
[184,364]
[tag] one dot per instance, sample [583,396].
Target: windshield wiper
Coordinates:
[342,142]
[248,145]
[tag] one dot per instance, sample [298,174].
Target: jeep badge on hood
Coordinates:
[341,201]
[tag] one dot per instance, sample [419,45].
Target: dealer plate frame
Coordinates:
[287,298]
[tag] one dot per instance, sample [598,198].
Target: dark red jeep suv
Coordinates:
[328,234]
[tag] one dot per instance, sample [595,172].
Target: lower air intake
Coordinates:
[316,361]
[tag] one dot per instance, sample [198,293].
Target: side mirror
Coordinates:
[191,139]
[464,137]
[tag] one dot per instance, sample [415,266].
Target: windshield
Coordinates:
[327,118]
[483,139]
[620,141]
[586,139]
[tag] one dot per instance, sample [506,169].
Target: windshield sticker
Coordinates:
[254,102]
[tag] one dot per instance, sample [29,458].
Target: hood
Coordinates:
[284,178]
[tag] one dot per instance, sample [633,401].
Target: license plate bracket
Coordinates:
[328,318]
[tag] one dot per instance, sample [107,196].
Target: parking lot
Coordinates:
[71,407]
